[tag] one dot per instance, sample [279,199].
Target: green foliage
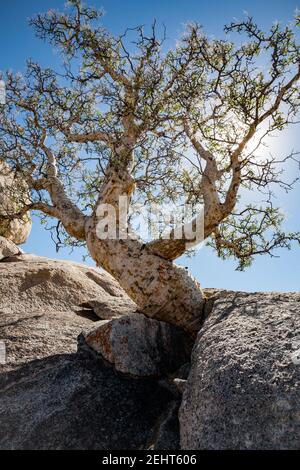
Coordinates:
[184,120]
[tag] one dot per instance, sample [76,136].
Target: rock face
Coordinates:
[139,346]
[7,248]
[72,401]
[54,396]
[13,196]
[243,391]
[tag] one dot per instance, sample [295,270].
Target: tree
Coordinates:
[129,118]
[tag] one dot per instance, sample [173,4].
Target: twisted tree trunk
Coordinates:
[161,289]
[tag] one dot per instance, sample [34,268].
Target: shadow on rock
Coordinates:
[74,401]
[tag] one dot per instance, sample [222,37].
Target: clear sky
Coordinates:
[17,43]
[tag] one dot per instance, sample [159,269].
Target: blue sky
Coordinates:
[17,43]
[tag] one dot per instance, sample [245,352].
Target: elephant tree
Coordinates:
[127,117]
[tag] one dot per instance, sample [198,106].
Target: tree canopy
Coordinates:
[127,115]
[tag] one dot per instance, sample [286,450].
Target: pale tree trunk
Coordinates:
[161,289]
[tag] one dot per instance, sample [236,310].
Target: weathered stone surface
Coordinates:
[111,307]
[13,197]
[139,346]
[7,248]
[53,396]
[243,391]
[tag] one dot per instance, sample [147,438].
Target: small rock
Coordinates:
[139,346]
[180,384]
[111,307]
[7,249]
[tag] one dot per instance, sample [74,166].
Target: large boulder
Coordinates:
[243,391]
[13,196]
[139,346]
[54,395]
[50,299]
